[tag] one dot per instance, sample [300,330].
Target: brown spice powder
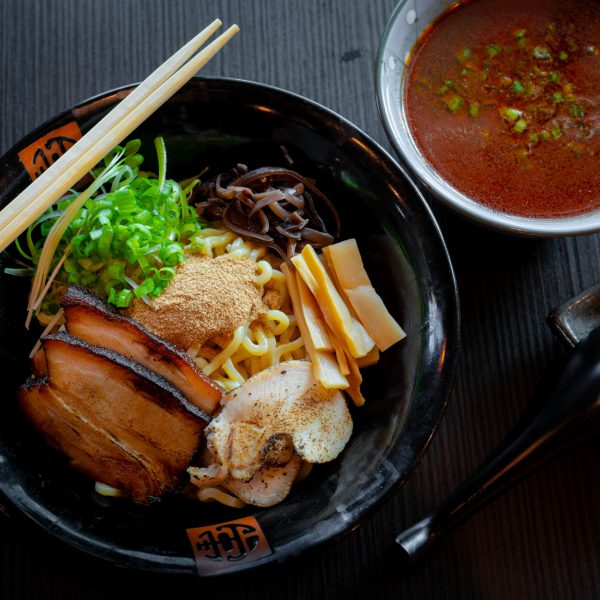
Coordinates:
[207,297]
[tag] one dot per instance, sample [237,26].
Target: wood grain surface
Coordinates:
[542,539]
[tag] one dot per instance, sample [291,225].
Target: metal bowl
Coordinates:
[409,19]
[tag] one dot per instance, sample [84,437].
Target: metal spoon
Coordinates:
[571,414]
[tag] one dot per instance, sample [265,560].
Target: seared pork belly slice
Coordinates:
[38,364]
[92,320]
[282,403]
[132,404]
[91,449]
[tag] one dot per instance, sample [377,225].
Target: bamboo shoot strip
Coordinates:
[15,218]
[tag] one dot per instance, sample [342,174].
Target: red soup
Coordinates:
[503,99]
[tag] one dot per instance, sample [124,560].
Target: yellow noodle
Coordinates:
[262,343]
[201,362]
[288,334]
[233,374]
[265,272]
[267,359]
[233,360]
[285,349]
[241,354]
[209,494]
[282,320]
[257,253]
[231,347]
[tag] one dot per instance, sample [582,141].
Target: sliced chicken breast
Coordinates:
[283,400]
[269,486]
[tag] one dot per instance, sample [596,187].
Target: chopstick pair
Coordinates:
[120,122]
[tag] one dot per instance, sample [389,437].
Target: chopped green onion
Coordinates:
[520,35]
[493,50]
[463,55]
[455,104]
[558,97]
[115,270]
[576,111]
[541,53]
[123,298]
[474,110]
[19,272]
[144,288]
[512,113]
[449,83]
[556,132]
[563,55]
[166,273]
[126,228]
[517,87]
[442,90]
[534,138]
[161,152]
[554,77]
[544,135]
[520,126]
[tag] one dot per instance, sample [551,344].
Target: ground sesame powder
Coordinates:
[206,298]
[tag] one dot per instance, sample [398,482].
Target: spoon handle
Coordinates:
[571,413]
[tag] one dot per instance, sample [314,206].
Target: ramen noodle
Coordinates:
[272,338]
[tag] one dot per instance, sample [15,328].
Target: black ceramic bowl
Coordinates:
[218,123]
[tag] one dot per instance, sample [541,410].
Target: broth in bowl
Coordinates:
[502,99]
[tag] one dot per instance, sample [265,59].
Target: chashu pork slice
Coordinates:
[283,402]
[92,320]
[129,403]
[92,450]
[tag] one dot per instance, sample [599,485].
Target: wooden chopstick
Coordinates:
[109,132]
[65,166]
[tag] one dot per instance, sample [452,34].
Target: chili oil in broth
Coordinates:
[503,99]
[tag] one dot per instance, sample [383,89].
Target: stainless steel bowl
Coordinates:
[409,19]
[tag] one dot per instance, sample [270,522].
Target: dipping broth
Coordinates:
[503,99]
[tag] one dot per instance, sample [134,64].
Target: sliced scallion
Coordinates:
[493,50]
[517,87]
[455,104]
[520,126]
[464,55]
[576,111]
[512,113]
[123,242]
[541,53]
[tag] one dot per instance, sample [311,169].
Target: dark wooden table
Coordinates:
[542,539]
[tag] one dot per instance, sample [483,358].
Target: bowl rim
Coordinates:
[447,291]
[416,163]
